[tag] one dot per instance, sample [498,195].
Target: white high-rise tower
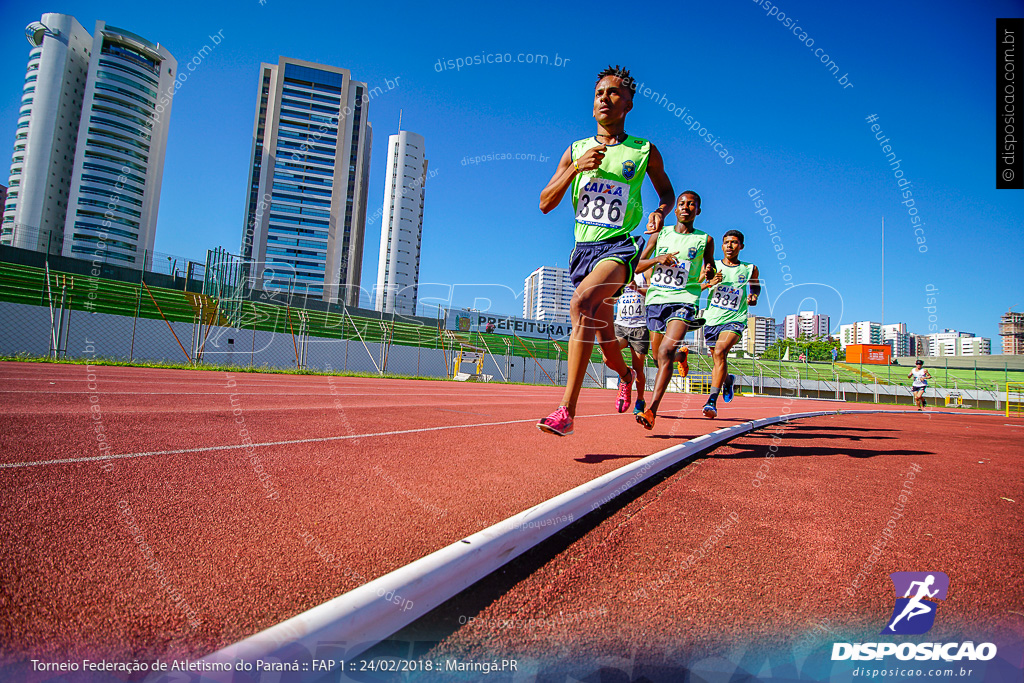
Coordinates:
[398,269]
[44,144]
[89,148]
[119,158]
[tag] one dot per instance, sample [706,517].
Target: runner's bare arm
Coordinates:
[709,257]
[646,262]
[755,287]
[663,186]
[709,283]
[551,195]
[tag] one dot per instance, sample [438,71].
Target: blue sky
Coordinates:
[926,70]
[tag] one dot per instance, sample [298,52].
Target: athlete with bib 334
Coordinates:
[603,175]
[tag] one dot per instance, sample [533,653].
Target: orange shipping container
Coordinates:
[875,354]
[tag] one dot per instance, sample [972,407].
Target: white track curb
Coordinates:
[361,618]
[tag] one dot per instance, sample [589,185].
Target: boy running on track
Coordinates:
[605,174]
[732,289]
[682,258]
[631,330]
[920,377]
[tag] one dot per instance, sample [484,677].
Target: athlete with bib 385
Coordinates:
[604,174]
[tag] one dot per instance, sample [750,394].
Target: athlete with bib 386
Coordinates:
[604,174]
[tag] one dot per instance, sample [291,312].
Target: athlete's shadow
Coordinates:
[830,428]
[788,450]
[805,435]
[595,458]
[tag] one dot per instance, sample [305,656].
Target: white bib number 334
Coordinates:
[602,202]
[671,277]
[726,297]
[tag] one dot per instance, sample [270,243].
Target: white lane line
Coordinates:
[112,392]
[321,439]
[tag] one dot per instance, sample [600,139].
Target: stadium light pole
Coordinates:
[883,277]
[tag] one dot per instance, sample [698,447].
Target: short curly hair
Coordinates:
[619,72]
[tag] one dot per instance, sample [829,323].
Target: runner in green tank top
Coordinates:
[731,290]
[681,258]
[605,174]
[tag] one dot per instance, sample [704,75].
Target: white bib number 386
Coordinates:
[602,202]
[671,277]
[726,297]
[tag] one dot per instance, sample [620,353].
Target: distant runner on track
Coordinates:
[732,289]
[631,330]
[920,377]
[605,174]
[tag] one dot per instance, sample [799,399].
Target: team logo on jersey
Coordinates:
[692,254]
[628,169]
[914,612]
[743,278]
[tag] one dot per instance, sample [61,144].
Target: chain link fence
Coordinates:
[67,316]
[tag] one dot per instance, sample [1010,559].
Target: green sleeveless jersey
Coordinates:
[677,284]
[607,200]
[727,301]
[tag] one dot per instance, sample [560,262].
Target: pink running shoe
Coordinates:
[622,401]
[558,423]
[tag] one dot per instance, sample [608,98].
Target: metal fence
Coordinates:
[63,315]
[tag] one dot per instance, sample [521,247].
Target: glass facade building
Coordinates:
[306,206]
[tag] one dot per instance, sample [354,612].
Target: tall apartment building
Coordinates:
[954,343]
[896,336]
[547,293]
[864,332]
[119,158]
[807,323]
[89,146]
[760,334]
[401,232]
[1011,330]
[974,346]
[308,180]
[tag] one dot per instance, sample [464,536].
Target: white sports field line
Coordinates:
[321,439]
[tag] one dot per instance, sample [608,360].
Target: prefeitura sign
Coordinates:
[474,321]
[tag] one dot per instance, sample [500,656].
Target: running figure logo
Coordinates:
[912,615]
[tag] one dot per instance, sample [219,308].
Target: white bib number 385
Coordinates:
[726,297]
[602,202]
[671,277]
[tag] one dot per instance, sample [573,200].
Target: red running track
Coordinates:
[708,562]
[173,547]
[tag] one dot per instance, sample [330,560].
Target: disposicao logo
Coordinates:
[917,594]
[914,613]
